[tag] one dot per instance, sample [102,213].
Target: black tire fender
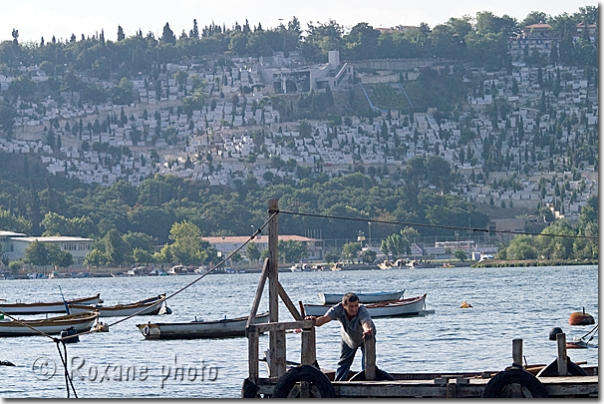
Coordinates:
[380,375]
[498,383]
[303,373]
[249,389]
[551,370]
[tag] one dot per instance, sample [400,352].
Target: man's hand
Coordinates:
[313,318]
[367,332]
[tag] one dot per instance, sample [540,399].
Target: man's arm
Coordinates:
[318,321]
[367,330]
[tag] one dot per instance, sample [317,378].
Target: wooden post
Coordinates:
[516,389]
[309,352]
[252,344]
[369,357]
[517,352]
[276,338]
[562,358]
[288,303]
[258,296]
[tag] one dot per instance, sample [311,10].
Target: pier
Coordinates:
[561,378]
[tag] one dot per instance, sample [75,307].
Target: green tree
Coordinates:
[252,252]
[57,257]
[461,255]
[351,250]
[292,251]
[521,248]
[96,258]
[186,248]
[36,254]
[116,248]
[122,94]
[368,256]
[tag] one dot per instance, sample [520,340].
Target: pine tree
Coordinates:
[120,33]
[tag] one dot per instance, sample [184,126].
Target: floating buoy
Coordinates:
[555,331]
[581,318]
[465,305]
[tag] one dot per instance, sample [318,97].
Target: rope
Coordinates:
[258,231]
[68,380]
[434,226]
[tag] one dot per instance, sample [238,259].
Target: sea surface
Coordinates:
[508,303]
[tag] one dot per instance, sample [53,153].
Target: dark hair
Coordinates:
[349,297]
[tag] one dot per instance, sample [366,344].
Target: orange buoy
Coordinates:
[581,318]
[465,305]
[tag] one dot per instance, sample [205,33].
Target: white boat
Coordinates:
[149,306]
[365,298]
[233,327]
[51,307]
[53,325]
[400,263]
[404,307]
[300,268]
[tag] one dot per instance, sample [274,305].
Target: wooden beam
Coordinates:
[309,349]
[267,327]
[369,341]
[276,345]
[258,296]
[288,303]
[278,364]
[252,344]
[517,351]
[562,358]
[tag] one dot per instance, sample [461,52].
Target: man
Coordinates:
[355,324]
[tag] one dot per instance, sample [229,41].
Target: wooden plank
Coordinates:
[265,327]
[288,303]
[369,341]
[258,296]
[278,362]
[252,344]
[309,348]
[517,351]
[277,355]
[562,358]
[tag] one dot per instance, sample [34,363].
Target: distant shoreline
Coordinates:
[530,263]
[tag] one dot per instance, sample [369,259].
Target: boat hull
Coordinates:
[365,298]
[199,329]
[146,307]
[404,307]
[43,308]
[52,326]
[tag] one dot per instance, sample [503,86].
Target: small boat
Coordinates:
[42,308]
[81,322]
[149,306]
[400,263]
[365,298]
[403,307]
[226,328]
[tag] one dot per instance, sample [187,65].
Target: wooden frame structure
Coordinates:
[467,384]
[275,328]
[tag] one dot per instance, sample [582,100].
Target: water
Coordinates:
[508,303]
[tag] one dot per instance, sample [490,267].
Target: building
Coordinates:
[6,243]
[228,244]
[77,246]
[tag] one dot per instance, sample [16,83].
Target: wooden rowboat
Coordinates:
[365,298]
[404,307]
[233,327]
[42,307]
[150,306]
[53,325]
